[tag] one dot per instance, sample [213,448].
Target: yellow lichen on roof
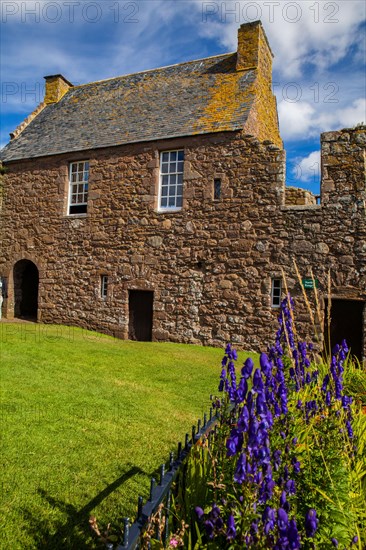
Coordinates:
[225,100]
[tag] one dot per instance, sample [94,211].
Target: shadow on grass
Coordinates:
[75,533]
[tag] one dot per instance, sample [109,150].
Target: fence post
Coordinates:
[126,531]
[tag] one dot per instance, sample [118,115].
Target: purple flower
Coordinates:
[311,522]
[231,531]
[247,369]
[355,540]
[234,443]
[268,518]
[283,502]
[240,472]
[349,429]
[257,381]
[282,520]
[328,398]
[215,511]
[266,491]
[346,401]
[277,459]
[334,542]
[293,535]
[261,404]
[344,346]
[199,512]
[209,526]
[265,364]
[290,486]
[243,421]
[325,382]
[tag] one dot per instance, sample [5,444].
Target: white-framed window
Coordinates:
[171,180]
[103,286]
[276,291]
[79,186]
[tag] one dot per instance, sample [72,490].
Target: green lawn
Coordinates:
[85,420]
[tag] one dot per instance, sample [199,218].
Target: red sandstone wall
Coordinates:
[209,265]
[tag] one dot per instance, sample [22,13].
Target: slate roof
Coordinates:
[196,97]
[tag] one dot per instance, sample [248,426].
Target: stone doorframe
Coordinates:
[8,274]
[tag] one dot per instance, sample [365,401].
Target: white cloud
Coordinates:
[296,119]
[307,169]
[354,114]
[302,120]
[319,33]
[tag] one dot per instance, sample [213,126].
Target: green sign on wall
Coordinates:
[308,283]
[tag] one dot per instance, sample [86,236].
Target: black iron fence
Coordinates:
[161,491]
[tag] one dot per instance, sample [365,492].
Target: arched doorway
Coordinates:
[26,281]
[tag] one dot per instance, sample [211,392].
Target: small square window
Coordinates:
[104,286]
[276,291]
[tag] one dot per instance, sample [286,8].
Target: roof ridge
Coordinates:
[151,70]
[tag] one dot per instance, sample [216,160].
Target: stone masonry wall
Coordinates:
[210,265]
[296,196]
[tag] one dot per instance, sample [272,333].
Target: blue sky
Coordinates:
[319,48]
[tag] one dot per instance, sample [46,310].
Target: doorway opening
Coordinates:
[140,304]
[346,323]
[26,282]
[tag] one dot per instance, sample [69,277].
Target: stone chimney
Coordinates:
[254,54]
[254,51]
[56,88]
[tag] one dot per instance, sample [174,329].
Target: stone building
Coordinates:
[153,206]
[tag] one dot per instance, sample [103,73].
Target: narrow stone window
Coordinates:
[276,291]
[217,189]
[103,286]
[171,180]
[79,186]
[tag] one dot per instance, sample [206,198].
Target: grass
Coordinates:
[85,421]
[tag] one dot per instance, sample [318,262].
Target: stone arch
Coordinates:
[25,288]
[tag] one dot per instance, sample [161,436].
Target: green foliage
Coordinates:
[328,440]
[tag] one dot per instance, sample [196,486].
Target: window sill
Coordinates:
[168,210]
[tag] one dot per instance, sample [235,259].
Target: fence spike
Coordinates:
[162,474]
[186,442]
[204,419]
[171,461]
[198,426]
[126,531]
[193,433]
[179,450]
[210,413]
[152,486]
[167,517]
[139,507]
